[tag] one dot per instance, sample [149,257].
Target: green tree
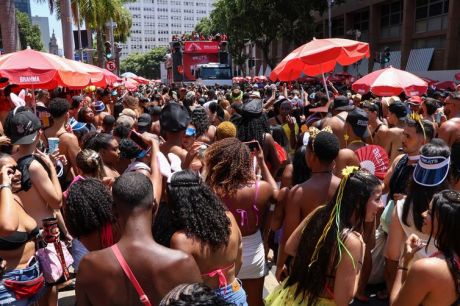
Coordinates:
[144,64]
[226,18]
[263,21]
[29,34]
[204,26]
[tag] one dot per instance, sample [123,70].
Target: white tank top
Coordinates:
[411,229]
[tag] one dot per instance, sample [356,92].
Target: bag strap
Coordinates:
[124,265]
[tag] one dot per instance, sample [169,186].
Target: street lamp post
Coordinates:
[66,22]
[329,9]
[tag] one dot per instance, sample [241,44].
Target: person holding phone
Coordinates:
[229,171]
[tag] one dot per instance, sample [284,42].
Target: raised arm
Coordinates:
[155,174]
[9,218]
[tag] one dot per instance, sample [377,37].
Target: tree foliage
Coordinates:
[261,22]
[29,34]
[144,64]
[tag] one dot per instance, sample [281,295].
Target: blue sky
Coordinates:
[42,10]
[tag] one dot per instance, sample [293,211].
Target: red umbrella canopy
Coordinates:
[29,68]
[446,85]
[319,56]
[390,82]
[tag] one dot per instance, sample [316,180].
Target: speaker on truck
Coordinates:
[223,57]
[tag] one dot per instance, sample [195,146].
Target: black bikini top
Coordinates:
[17,239]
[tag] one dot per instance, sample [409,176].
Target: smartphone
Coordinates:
[252,145]
[137,138]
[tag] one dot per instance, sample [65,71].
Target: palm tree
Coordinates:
[8,26]
[96,13]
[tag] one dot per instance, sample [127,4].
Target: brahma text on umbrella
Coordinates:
[29,79]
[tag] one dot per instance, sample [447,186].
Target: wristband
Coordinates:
[402,268]
[5,186]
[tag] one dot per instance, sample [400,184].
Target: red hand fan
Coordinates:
[374,159]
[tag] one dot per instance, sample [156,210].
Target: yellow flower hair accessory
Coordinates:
[418,118]
[335,217]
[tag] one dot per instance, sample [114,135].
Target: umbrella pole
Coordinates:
[33,99]
[325,85]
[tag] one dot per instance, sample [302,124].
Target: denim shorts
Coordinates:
[233,293]
[7,297]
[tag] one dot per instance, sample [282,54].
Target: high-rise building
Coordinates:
[156,21]
[23,6]
[43,24]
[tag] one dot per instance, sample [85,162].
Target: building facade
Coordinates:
[53,46]
[155,21]
[422,35]
[23,6]
[43,24]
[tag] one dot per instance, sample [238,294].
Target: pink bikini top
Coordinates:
[220,273]
[244,213]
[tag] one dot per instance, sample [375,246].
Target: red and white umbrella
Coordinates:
[30,68]
[446,85]
[318,57]
[390,82]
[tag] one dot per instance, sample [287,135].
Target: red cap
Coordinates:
[416,100]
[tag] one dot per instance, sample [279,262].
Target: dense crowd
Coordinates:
[176,195]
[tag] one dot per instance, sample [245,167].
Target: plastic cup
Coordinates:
[53,144]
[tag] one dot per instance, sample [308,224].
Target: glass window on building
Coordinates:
[391,19]
[431,15]
[338,27]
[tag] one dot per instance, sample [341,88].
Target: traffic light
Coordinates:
[386,55]
[108,51]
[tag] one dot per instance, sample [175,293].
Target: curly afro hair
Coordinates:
[249,129]
[193,294]
[88,207]
[200,120]
[197,211]
[228,166]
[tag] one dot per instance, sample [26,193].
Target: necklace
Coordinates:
[319,172]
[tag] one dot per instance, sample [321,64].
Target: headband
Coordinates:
[313,132]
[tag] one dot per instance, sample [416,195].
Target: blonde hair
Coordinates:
[90,163]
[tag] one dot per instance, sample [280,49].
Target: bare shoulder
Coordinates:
[355,244]
[431,271]
[69,138]
[90,269]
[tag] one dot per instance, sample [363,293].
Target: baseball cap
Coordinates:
[342,103]
[252,109]
[125,121]
[398,108]
[174,117]
[431,171]
[99,106]
[144,120]
[415,100]
[358,119]
[76,125]
[22,126]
